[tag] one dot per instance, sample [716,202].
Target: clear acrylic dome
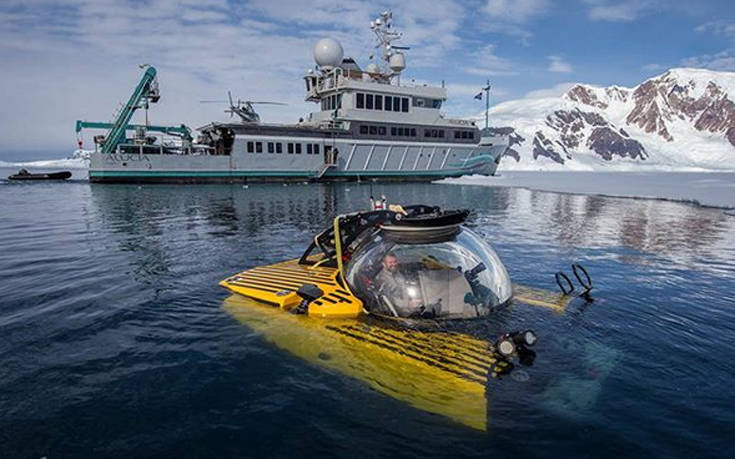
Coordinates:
[459,277]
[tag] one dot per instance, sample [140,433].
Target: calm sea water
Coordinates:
[114,340]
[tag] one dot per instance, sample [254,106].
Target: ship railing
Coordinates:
[160,149]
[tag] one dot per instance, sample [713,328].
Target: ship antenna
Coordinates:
[487,104]
[394,60]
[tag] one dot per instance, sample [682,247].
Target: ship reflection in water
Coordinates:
[115,331]
[637,251]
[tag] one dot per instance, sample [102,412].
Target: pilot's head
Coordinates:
[390,262]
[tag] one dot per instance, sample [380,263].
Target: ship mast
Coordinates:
[487,104]
[394,61]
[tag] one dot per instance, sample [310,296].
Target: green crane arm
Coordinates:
[182,130]
[144,90]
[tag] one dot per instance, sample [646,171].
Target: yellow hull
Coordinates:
[444,373]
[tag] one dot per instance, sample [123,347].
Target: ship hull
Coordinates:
[353,161]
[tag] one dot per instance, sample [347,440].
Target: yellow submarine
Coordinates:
[368,299]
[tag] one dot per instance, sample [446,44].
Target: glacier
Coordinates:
[681,120]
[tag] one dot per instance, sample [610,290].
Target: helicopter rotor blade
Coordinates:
[212,101]
[229,96]
[265,102]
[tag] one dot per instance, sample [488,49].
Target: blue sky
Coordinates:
[66,60]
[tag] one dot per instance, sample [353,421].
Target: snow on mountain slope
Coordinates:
[683,119]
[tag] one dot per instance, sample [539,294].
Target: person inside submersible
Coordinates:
[395,289]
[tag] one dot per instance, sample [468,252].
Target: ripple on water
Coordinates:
[114,340]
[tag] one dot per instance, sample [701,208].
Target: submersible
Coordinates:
[370,294]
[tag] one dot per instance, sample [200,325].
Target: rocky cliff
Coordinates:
[684,118]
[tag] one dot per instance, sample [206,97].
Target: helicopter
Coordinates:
[244,108]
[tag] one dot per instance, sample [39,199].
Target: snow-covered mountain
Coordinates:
[683,119]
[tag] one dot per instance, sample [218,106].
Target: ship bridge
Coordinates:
[347,92]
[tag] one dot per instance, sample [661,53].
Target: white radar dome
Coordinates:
[328,52]
[372,68]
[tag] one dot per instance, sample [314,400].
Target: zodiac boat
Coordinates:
[23,174]
[368,299]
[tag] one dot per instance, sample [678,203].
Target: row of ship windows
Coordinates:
[382,130]
[277,147]
[332,102]
[379,102]
[411,132]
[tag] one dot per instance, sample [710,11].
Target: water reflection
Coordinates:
[680,233]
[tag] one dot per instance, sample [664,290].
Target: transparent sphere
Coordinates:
[459,277]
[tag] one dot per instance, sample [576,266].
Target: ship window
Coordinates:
[436,103]
[290,148]
[339,101]
[271,147]
[360,100]
[308,148]
[404,104]
[316,148]
[369,101]
[396,104]
[472,135]
[388,103]
[456,134]
[378,102]
[363,129]
[441,133]
[400,131]
[418,102]
[381,130]
[413,132]
[251,147]
[298,148]
[373,130]
[427,133]
[259,147]
[393,131]
[279,147]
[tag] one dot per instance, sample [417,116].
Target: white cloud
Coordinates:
[486,63]
[555,91]
[723,61]
[558,64]
[626,11]
[719,27]
[77,59]
[515,11]
[461,90]
[510,17]
[653,67]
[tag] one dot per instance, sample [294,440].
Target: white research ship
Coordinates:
[369,126]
